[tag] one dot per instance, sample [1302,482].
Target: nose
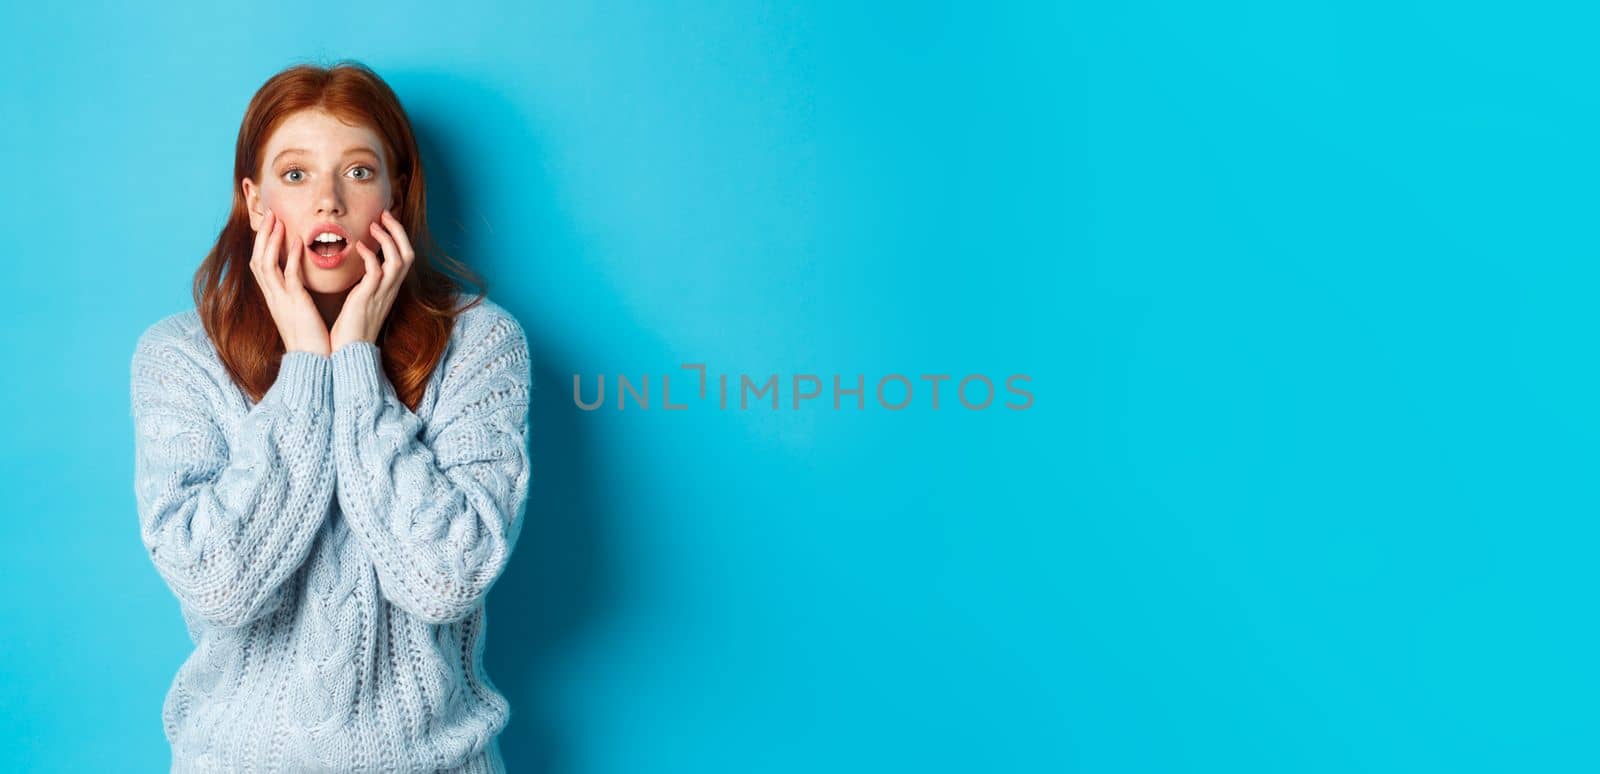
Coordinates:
[329,203]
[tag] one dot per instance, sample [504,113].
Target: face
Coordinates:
[318,172]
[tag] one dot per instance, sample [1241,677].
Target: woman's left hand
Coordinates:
[368,303]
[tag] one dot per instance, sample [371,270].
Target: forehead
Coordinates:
[321,133]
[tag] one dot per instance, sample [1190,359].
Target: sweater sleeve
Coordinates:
[438,508]
[229,514]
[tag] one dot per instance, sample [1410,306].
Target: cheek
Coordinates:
[285,209]
[354,269]
[367,237]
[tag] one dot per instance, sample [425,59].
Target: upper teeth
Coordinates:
[327,236]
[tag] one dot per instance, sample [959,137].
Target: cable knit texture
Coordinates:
[330,549]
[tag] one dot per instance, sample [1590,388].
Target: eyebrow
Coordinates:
[347,152]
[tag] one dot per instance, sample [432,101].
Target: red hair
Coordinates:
[226,295]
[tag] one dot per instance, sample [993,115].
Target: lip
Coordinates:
[333,261]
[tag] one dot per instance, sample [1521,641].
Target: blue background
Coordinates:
[1306,295]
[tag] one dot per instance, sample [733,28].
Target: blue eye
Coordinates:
[370,173]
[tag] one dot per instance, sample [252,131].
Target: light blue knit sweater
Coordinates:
[330,549]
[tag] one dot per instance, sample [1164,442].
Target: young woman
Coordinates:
[331,457]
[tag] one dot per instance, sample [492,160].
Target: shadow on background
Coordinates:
[557,581]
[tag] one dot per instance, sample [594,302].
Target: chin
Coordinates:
[330,285]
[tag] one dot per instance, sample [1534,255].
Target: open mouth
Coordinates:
[328,249]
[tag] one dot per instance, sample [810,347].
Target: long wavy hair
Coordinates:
[230,303]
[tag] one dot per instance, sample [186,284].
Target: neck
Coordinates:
[329,305]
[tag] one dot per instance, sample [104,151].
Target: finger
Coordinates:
[259,265]
[374,276]
[399,231]
[270,266]
[261,235]
[391,250]
[396,251]
[292,276]
[260,245]
[403,243]
[393,268]
[393,263]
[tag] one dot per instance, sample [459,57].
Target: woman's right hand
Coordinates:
[299,322]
